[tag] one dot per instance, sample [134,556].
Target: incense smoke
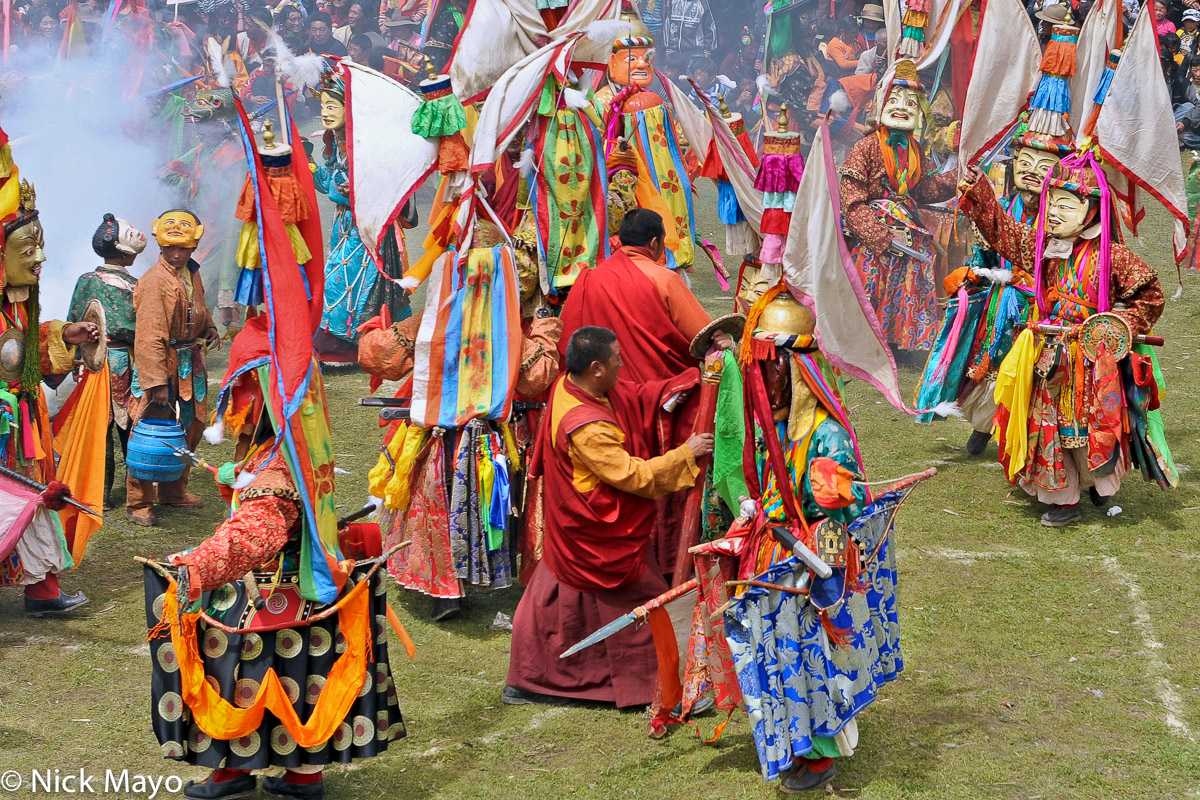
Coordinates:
[87,149]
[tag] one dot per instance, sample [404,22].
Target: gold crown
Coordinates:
[906,71]
[28,196]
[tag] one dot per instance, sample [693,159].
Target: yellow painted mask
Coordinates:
[177,228]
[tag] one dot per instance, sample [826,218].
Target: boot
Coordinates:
[802,779]
[241,786]
[55,605]
[977,442]
[1061,516]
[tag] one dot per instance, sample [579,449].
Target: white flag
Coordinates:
[1136,126]
[819,271]
[1005,71]
[388,162]
[1096,39]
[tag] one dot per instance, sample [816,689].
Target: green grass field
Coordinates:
[1039,663]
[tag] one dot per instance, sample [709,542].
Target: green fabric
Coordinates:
[68,562]
[1191,168]
[780,34]
[730,433]
[444,116]
[1155,430]
[172,112]
[823,747]
[226,474]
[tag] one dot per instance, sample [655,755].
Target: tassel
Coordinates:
[840,638]
[729,211]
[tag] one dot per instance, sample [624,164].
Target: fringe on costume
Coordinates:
[284,188]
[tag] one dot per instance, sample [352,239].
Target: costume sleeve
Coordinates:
[151,335]
[539,357]
[831,440]
[935,188]
[860,218]
[204,318]
[388,352]
[256,532]
[685,310]
[1136,285]
[598,446]
[839,53]
[1002,233]
[55,356]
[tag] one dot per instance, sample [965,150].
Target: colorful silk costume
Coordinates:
[882,179]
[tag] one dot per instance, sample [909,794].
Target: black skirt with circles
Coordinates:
[235,664]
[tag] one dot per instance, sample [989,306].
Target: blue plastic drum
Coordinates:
[151,456]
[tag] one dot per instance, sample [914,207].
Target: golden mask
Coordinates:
[785,315]
[23,255]
[177,228]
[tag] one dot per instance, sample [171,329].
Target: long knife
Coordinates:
[30,483]
[639,613]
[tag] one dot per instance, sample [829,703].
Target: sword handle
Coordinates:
[801,551]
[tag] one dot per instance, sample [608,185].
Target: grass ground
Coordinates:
[1040,664]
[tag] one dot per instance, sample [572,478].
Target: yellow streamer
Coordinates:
[1014,391]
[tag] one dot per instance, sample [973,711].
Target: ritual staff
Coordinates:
[655,317]
[42,350]
[1067,421]
[601,475]
[173,330]
[882,178]
[118,243]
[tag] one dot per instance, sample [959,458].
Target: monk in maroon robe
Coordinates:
[655,317]
[601,477]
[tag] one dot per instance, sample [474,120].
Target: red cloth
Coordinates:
[617,295]
[596,540]
[552,616]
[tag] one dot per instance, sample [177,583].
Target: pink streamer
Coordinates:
[955,334]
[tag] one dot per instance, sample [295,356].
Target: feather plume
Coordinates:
[946,408]
[305,71]
[839,102]
[1000,276]
[244,479]
[215,433]
[764,85]
[525,162]
[1178,292]
[606,31]
[219,62]
[575,99]
[409,283]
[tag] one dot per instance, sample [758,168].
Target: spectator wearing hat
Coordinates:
[402,26]
[1189,32]
[870,20]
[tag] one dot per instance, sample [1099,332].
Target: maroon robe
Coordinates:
[618,296]
[596,563]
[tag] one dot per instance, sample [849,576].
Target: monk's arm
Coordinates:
[597,446]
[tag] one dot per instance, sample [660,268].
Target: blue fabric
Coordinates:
[1053,93]
[728,210]
[796,685]
[503,283]
[350,274]
[448,413]
[249,291]
[501,499]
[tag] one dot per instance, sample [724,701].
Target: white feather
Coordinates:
[727,82]
[218,62]
[946,408]
[606,31]
[1178,293]
[409,283]
[215,433]
[525,163]
[998,276]
[244,479]
[575,99]
[304,72]
[375,503]
[747,508]
[764,85]
[839,102]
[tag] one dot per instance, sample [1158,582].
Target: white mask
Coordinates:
[1030,169]
[902,110]
[1066,214]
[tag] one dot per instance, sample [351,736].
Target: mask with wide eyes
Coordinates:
[632,66]
[24,256]
[902,110]
[1030,169]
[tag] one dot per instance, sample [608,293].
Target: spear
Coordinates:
[639,613]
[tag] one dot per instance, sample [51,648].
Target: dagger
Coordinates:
[639,613]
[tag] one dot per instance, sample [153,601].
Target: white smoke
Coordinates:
[88,149]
